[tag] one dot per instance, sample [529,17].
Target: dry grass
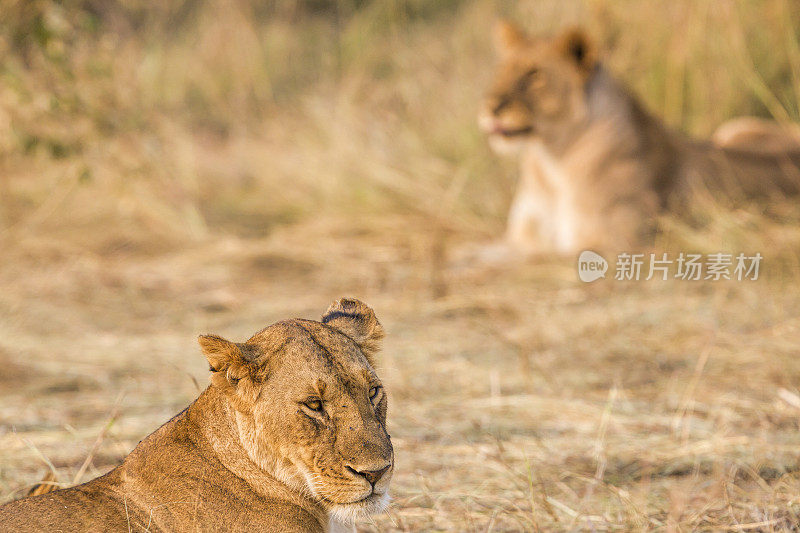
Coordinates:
[180,169]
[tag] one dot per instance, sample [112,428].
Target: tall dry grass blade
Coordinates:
[749,71]
[792,51]
[678,421]
[39,453]
[112,417]
[534,518]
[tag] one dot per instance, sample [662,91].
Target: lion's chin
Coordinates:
[350,512]
[508,144]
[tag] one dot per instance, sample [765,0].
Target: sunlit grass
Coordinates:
[169,168]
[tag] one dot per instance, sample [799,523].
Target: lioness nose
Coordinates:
[373,476]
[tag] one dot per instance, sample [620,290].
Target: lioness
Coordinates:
[596,167]
[290,436]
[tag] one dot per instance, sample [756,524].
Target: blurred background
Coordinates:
[185,166]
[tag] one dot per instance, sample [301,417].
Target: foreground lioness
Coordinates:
[596,167]
[290,436]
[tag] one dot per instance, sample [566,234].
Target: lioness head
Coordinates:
[539,87]
[309,406]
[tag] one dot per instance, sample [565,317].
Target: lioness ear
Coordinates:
[576,45]
[220,353]
[358,321]
[508,37]
[229,362]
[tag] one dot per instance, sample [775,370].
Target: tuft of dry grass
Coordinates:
[173,168]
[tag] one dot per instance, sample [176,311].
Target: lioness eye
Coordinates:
[532,77]
[373,392]
[531,73]
[314,405]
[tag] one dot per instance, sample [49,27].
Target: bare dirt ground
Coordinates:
[520,398]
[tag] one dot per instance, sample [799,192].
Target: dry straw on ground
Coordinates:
[176,168]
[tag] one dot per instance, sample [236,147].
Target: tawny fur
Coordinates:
[596,169]
[249,454]
[758,134]
[47,484]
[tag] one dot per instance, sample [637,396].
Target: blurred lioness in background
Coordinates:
[290,436]
[596,168]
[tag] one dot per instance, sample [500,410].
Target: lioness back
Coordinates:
[290,436]
[757,134]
